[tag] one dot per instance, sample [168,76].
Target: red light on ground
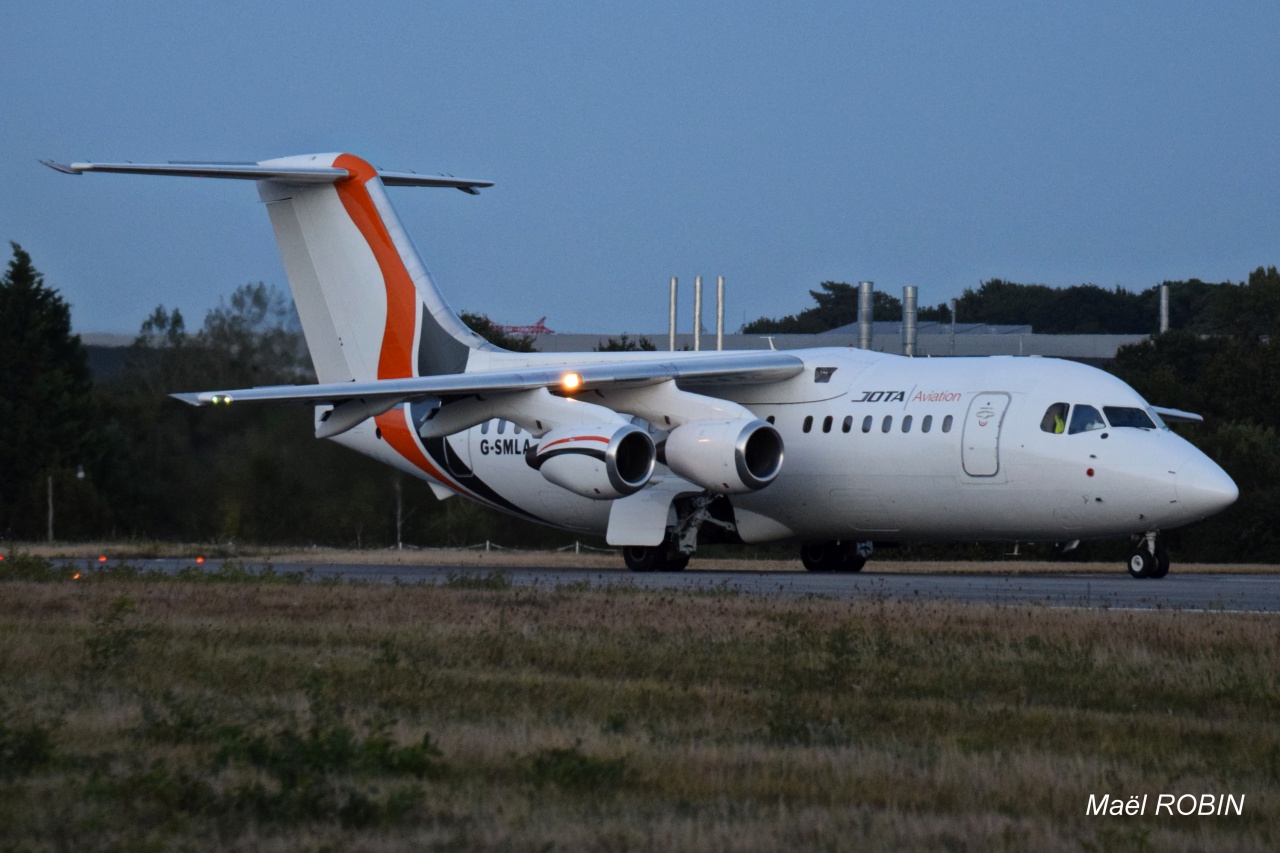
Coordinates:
[102,559]
[76,576]
[199,559]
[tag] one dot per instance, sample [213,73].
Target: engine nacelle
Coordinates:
[726,457]
[601,462]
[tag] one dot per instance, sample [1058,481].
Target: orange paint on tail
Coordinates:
[396,360]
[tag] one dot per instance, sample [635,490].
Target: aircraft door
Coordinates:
[980,443]
[457,454]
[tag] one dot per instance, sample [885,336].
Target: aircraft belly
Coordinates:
[834,506]
[910,504]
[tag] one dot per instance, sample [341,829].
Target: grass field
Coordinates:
[246,712]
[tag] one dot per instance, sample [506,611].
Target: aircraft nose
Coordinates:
[1203,488]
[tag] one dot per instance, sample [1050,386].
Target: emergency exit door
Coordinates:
[980,447]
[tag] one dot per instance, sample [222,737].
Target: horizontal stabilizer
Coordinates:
[285,174]
[1177,416]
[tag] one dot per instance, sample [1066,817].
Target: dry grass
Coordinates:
[256,716]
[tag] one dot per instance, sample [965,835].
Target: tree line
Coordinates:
[125,461]
[122,460]
[1083,309]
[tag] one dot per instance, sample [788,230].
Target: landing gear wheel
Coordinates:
[641,558]
[822,556]
[1142,564]
[1162,563]
[853,562]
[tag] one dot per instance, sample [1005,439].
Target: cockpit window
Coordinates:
[1055,419]
[1159,421]
[1122,416]
[1085,418]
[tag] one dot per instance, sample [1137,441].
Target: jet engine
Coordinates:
[726,457]
[601,462]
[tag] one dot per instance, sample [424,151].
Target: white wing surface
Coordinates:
[694,371]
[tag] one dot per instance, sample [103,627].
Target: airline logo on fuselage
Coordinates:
[935,396]
[901,397]
[882,397]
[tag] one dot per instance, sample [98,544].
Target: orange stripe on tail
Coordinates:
[396,360]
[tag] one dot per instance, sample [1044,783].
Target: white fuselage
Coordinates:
[885,447]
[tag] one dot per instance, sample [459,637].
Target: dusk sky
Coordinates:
[937,144]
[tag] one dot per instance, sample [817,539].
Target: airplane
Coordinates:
[835,449]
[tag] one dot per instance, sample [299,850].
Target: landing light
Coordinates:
[571,381]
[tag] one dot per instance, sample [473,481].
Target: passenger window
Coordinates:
[484,427]
[866,424]
[502,426]
[770,419]
[926,423]
[888,423]
[826,424]
[848,423]
[1119,416]
[1055,419]
[946,423]
[1084,419]
[515,429]
[906,424]
[808,423]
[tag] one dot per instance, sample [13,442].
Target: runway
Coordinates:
[1190,592]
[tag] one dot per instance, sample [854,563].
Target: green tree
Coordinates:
[1234,382]
[940,313]
[836,305]
[494,334]
[1248,310]
[626,343]
[46,395]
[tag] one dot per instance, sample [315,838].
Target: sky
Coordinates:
[936,144]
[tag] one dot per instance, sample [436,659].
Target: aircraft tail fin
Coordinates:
[369,307]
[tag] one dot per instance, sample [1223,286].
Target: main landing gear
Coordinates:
[682,540]
[835,556]
[1149,558]
[662,558]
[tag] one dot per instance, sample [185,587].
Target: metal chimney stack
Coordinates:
[671,318]
[865,312]
[954,303]
[909,320]
[697,313]
[719,313]
[1164,308]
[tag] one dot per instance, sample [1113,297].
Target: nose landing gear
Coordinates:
[1149,558]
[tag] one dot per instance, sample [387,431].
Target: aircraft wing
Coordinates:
[697,371]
